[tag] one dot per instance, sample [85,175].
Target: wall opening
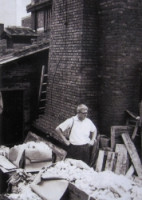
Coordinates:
[11,132]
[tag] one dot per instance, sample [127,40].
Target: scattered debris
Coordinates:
[114,176]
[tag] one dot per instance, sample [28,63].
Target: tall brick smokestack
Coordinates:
[120,31]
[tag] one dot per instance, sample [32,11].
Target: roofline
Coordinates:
[13,58]
[34,34]
[38,6]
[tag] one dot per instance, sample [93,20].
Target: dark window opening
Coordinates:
[11,131]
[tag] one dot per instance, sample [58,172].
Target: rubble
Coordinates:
[98,185]
[114,176]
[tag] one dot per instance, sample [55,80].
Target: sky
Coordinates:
[12,11]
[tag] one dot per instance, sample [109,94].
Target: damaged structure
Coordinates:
[76,52]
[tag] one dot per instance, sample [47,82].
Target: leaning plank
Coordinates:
[135,130]
[133,153]
[122,159]
[111,159]
[100,161]
[130,171]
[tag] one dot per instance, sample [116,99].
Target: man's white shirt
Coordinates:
[80,132]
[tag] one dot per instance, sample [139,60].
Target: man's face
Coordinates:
[82,114]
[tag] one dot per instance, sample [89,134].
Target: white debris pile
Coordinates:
[41,146]
[103,185]
[37,151]
[20,181]
[25,193]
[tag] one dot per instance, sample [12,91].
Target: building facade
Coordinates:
[94,58]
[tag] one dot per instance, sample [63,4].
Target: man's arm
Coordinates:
[93,136]
[59,131]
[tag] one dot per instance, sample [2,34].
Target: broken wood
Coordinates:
[116,132]
[130,171]
[133,153]
[122,159]
[100,161]
[6,164]
[131,114]
[135,130]
[76,194]
[110,162]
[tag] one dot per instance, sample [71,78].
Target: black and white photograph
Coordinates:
[71,100]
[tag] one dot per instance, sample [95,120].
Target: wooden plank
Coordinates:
[111,159]
[94,152]
[76,194]
[100,161]
[133,153]
[135,130]
[131,114]
[116,132]
[130,171]
[6,164]
[122,159]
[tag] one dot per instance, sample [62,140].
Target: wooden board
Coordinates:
[76,194]
[130,171]
[100,161]
[135,130]
[6,164]
[110,162]
[116,132]
[50,189]
[133,153]
[122,159]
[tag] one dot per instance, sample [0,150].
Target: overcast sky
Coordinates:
[12,11]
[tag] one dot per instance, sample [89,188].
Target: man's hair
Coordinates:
[81,107]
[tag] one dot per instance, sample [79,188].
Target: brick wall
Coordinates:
[95,58]
[120,59]
[73,62]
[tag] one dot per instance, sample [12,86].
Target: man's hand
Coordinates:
[91,142]
[67,142]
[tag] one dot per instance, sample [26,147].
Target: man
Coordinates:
[82,134]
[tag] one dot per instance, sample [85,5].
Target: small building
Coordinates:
[19,82]
[41,12]
[26,22]
[18,36]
